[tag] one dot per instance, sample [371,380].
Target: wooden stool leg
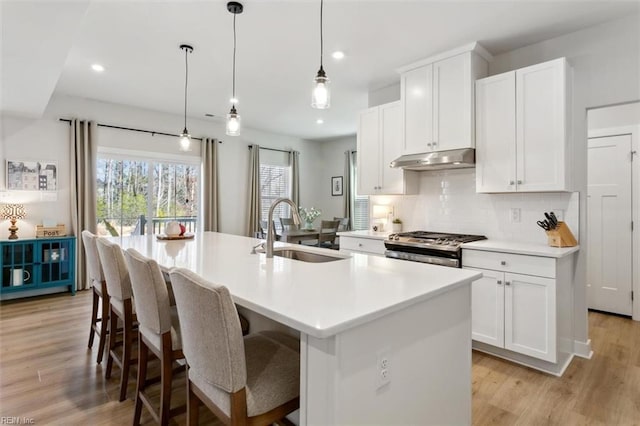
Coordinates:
[113,327]
[126,349]
[143,357]
[94,317]
[104,328]
[192,408]
[166,375]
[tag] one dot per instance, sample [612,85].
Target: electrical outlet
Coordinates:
[514,215]
[383,368]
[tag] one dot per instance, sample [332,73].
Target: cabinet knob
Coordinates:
[499,282]
[429,144]
[503,263]
[511,182]
[359,244]
[507,282]
[519,182]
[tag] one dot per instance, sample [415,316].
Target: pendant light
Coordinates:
[321,97]
[233,118]
[185,137]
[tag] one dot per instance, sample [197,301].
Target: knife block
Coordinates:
[561,236]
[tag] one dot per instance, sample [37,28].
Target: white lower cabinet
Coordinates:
[514,311]
[362,245]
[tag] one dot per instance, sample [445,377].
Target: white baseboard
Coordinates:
[582,349]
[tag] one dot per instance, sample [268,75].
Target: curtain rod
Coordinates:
[134,130]
[271,149]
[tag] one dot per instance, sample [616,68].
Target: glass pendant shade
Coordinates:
[233,122]
[321,96]
[185,140]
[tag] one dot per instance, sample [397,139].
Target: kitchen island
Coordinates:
[381,340]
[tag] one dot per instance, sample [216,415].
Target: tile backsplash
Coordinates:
[448,202]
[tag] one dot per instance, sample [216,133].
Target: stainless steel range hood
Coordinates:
[437,160]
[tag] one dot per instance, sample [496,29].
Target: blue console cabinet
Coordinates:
[39,263]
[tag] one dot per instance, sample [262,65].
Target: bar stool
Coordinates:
[159,332]
[99,326]
[120,307]
[243,380]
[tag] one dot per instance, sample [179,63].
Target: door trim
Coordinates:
[634,131]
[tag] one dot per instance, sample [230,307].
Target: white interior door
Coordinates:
[609,224]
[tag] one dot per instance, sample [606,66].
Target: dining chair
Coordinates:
[252,380]
[100,301]
[287,223]
[344,223]
[327,235]
[116,275]
[158,332]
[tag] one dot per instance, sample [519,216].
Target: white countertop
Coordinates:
[319,299]
[520,248]
[366,234]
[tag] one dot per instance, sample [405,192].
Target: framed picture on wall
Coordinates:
[32,175]
[336,185]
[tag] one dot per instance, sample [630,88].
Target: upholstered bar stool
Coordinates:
[243,380]
[116,275]
[158,332]
[100,301]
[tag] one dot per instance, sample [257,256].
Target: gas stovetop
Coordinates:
[431,240]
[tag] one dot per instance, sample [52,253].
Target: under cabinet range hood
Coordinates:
[437,160]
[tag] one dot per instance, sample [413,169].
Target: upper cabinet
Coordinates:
[523,130]
[378,143]
[438,100]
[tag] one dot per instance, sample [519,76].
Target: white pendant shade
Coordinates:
[321,96]
[233,123]
[185,141]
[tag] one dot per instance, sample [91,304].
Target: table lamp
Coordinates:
[13,212]
[380,215]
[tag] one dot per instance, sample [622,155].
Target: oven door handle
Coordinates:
[434,260]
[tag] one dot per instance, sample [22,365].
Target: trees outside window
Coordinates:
[137,196]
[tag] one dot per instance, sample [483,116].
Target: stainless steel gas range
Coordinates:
[429,247]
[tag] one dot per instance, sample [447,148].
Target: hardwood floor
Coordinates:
[47,374]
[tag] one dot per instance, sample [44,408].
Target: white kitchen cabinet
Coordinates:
[437,96]
[521,307]
[379,143]
[362,245]
[523,130]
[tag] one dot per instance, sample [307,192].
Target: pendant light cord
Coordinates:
[186,81]
[321,38]
[234,57]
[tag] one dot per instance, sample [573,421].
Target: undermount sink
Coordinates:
[305,256]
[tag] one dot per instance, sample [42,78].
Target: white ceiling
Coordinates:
[47,44]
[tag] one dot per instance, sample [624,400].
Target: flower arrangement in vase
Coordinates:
[308,216]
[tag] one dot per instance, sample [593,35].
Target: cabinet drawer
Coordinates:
[365,245]
[508,262]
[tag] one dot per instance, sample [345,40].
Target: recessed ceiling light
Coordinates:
[97,67]
[319,121]
[233,100]
[337,55]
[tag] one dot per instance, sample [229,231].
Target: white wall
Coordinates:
[48,139]
[333,160]
[384,95]
[614,116]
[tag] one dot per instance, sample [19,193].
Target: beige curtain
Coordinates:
[253,202]
[83,189]
[294,159]
[210,184]
[349,186]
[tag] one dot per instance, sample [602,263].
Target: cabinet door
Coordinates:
[540,135]
[417,104]
[452,109]
[391,179]
[496,133]
[530,316]
[368,145]
[487,308]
